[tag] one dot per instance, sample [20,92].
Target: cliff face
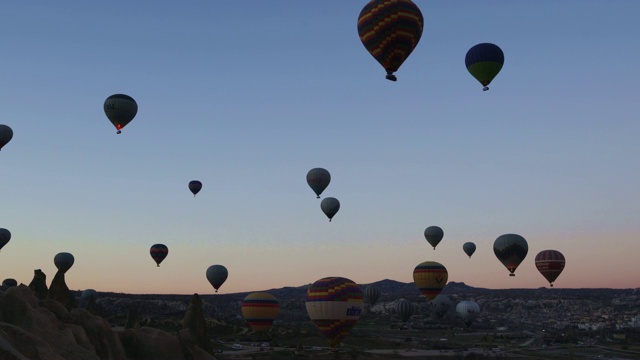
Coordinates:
[31,328]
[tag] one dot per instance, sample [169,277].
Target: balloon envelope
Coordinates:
[330,206]
[404,309]
[195,186]
[550,264]
[434,235]
[430,278]
[217,275]
[510,249]
[371,295]
[6,134]
[120,110]
[63,261]
[158,252]
[7,283]
[318,180]
[5,236]
[484,62]
[469,248]
[390,30]
[260,309]
[334,305]
[468,311]
[441,305]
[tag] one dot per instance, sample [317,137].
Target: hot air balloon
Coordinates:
[318,179]
[6,134]
[434,235]
[484,62]
[469,248]
[120,110]
[334,305]
[5,236]
[404,309]
[430,278]
[510,249]
[468,311]
[390,31]
[8,283]
[158,253]
[550,264]
[260,309]
[217,275]
[63,261]
[88,294]
[440,305]
[371,294]
[195,186]
[330,206]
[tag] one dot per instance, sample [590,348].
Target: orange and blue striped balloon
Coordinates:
[390,30]
[260,309]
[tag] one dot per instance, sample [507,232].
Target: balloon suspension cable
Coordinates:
[485,88]
[391,77]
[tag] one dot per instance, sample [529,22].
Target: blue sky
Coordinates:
[247,96]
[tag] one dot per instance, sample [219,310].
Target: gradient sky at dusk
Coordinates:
[247,96]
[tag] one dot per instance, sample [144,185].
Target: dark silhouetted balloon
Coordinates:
[468,311]
[334,305]
[195,186]
[120,110]
[217,275]
[88,294]
[371,294]
[434,235]
[484,62]
[510,249]
[6,134]
[5,236]
[390,30]
[330,206]
[550,264]
[430,278]
[63,261]
[404,309]
[260,309]
[158,252]
[318,180]
[469,248]
[440,305]
[8,283]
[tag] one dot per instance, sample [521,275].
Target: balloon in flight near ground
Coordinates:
[88,294]
[5,236]
[260,309]
[550,264]
[404,309]
[330,206]
[390,30]
[6,134]
[468,311]
[430,278]
[469,248]
[120,110]
[318,180]
[217,275]
[334,305]
[158,252]
[440,305]
[371,294]
[63,261]
[510,249]
[434,235]
[195,186]
[8,283]
[484,62]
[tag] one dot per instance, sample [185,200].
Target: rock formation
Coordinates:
[39,284]
[60,292]
[194,327]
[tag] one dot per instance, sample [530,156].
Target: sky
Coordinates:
[248,96]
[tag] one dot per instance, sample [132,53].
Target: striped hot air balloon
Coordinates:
[158,252]
[260,309]
[550,264]
[390,31]
[334,305]
[430,278]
